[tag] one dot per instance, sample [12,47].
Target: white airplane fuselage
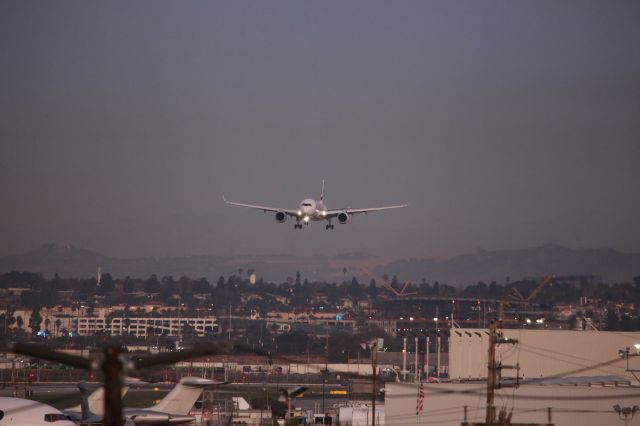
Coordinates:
[25,412]
[310,209]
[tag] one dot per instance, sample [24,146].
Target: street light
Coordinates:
[625,413]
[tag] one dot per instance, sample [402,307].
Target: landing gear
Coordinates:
[297,226]
[328,226]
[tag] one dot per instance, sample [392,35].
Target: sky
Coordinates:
[502,124]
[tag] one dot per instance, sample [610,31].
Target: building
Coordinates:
[317,323]
[148,326]
[86,321]
[544,353]
[445,404]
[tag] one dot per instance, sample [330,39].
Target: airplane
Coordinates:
[310,210]
[173,409]
[92,404]
[26,412]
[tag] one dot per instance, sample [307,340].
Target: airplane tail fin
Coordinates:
[240,403]
[182,397]
[322,194]
[92,404]
[84,401]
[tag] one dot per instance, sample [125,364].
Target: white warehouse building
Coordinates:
[544,353]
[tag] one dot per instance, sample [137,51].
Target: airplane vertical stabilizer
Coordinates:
[95,401]
[182,397]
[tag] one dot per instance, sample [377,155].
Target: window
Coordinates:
[50,418]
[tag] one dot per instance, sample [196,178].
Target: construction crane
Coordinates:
[388,286]
[520,298]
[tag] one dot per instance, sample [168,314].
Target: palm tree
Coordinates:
[107,322]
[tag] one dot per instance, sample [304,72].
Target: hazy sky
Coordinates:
[503,124]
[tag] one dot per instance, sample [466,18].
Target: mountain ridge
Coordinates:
[468,268]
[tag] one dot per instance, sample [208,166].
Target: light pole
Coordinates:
[625,413]
[436,319]
[404,357]
[374,364]
[417,370]
[426,351]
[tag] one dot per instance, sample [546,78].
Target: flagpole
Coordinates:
[419,402]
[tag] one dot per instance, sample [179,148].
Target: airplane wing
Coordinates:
[333,213]
[263,208]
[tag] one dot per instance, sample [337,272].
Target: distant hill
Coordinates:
[70,261]
[549,259]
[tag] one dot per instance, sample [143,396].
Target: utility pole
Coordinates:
[326,369]
[112,369]
[626,353]
[229,321]
[494,368]
[437,318]
[491,375]
[438,359]
[113,366]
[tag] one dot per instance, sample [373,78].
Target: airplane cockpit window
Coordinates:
[50,418]
[306,204]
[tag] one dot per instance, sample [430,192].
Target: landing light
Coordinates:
[324,213]
[306,218]
[299,213]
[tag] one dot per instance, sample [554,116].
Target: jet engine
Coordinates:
[281,217]
[343,217]
[151,418]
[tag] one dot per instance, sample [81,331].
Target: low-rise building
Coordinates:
[145,326]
